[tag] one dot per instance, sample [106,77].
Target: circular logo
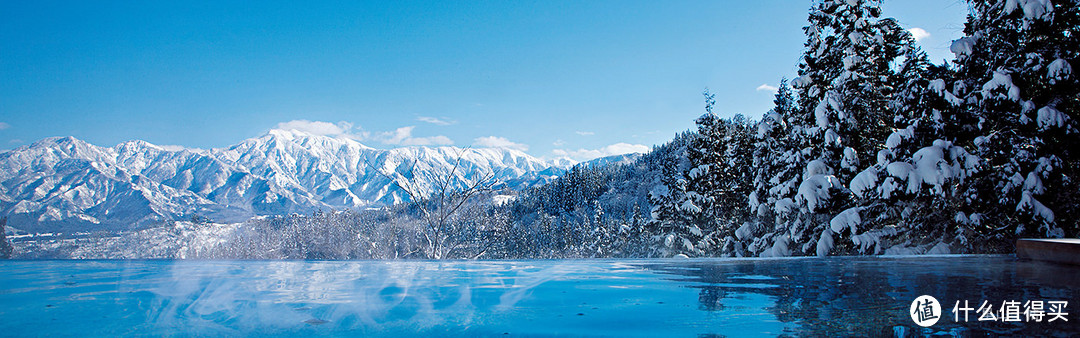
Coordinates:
[925,311]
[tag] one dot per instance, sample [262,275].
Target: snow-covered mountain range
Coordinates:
[63,184]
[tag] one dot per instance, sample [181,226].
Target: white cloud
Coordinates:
[400,136]
[171,147]
[558,143]
[397,136]
[403,136]
[435,120]
[499,142]
[316,127]
[584,133]
[919,33]
[4,125]
[323,128]
[614,149]
[766,87]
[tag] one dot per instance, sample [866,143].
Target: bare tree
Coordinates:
[439,206]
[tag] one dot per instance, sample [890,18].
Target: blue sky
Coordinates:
[576,78]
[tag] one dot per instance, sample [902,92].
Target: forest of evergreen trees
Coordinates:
[873,149]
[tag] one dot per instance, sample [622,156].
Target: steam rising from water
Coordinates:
[378,296]
[864,296]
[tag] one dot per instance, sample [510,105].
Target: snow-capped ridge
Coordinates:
[61,182]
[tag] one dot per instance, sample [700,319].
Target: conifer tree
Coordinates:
[718,181]
[1016,79]
[776,160]
[845,85]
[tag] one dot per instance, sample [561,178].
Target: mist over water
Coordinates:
[836,296]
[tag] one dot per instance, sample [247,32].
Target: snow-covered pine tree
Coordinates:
[1016,78]
[844,88]
[738,184]
[668,223]
[777,162]
[907,202]
[718,181]
[703,182]
[636,243]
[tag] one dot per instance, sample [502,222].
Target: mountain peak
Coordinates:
[59,140]
[288,133]
[137,144]
[303,136]
[68,144]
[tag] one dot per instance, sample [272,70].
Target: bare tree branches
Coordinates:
[439,206]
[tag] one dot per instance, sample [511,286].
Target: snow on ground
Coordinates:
[177,241]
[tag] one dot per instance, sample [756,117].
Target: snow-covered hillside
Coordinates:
[64,183]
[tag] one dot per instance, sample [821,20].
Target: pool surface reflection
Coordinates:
[865,296]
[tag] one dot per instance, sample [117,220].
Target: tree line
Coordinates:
[873,149]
